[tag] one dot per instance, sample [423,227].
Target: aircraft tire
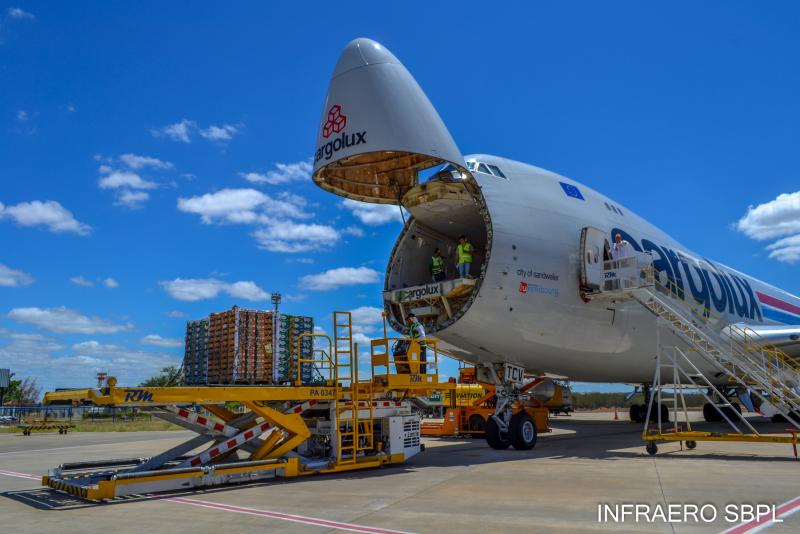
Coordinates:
[710,413]
[635,413]
[494,437]
[523,432]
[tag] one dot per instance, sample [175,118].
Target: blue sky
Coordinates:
[154,156]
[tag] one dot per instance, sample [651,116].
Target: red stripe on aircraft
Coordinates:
[776,303]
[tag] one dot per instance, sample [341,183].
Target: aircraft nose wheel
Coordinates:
[523,432]
[494,437]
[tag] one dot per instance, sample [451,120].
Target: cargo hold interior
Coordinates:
[442,208]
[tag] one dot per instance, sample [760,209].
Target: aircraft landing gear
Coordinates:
[638,412]
[505,428]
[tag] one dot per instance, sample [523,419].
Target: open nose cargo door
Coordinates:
[378,129]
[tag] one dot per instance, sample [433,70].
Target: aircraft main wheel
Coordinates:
[691,444]
[635,413]
[476,423]
[710,414]
[494,437]
[664,413]
[651,448]
[523,432]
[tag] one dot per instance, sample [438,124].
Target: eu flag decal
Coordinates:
[572,191]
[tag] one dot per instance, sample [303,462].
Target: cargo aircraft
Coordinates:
[531,301]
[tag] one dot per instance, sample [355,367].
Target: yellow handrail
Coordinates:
[755,345]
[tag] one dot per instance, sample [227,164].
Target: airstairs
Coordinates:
[737,357]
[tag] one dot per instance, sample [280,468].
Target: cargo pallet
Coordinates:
[287,430]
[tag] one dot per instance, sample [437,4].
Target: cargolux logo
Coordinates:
[336,121]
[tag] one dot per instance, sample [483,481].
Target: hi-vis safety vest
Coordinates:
[417,332]
[465,253]
[437,264]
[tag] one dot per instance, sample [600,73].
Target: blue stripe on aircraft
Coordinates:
[781,317]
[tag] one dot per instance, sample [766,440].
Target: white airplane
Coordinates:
[533,297]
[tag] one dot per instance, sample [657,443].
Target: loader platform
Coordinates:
[278,431]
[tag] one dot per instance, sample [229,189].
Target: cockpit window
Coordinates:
[472,165]
[496,171]
[483,168]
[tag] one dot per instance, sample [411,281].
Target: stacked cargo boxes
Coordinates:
[254,341]
[195,359]
[290,328]
[236,347]
[222,341]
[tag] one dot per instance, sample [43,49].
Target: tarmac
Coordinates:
[455,485]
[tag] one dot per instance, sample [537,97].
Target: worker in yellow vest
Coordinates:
[418,334]
[437,266]
[464,256]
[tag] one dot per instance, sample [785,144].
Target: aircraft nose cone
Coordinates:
[362,52]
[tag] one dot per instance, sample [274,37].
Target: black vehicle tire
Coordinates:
[523,432]
[635,413]
[651,448]
[691,444]
[494,437]
[476,423]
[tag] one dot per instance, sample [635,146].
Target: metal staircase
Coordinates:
[738,355]
[354,433]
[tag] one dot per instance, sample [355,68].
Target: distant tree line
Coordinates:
[22,392]
[596,400]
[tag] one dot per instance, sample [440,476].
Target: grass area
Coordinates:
[109,426]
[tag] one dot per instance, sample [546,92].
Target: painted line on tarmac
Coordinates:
[26,451]
[350,527]
[286,517]
[762,523]
[15,474]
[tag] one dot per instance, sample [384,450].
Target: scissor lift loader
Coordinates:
[287,431]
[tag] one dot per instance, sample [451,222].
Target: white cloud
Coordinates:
[116,179]
[178,131]
[219,133]
[132,199]
[158,341]
[65,321]
[354,231]
[777,218]
[194,289]
[12,278]
[110,283]
[239,206]
[49,213]
[366,319]
[373,214]
[339,277]
[786,250]
[22,116]
[282,174]
[130,366]
[136,162]
[292,237]
[175,314]
[81,281]
[18,13]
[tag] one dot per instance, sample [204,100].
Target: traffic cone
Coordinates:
[616,415]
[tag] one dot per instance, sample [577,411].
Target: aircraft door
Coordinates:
[592,243]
